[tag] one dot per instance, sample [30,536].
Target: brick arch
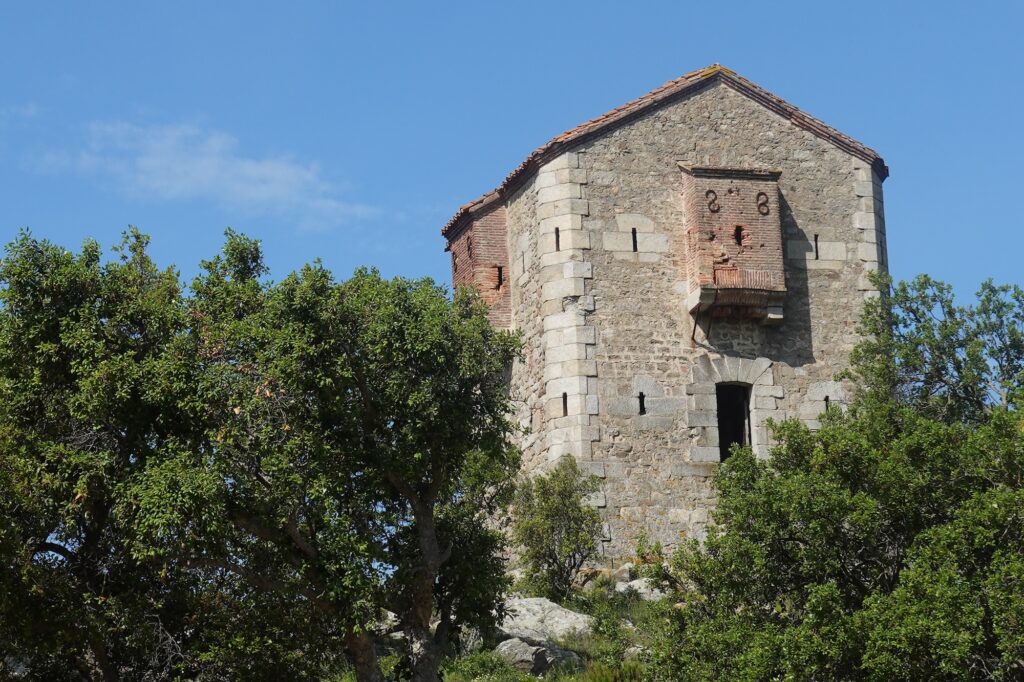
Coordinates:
[702,414]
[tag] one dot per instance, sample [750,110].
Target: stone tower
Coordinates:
[682,269]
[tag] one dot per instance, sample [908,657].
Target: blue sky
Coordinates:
[351,132]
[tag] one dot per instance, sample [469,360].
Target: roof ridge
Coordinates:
[693,80]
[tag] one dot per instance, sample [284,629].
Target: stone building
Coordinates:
[682,269]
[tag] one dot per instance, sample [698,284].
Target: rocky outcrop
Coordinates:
[643,587]
[536,659]
[537,619]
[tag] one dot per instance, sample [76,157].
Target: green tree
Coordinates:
[555,528]
[358,441]
[241,478]
[948,361]
[89,398]
[887,545]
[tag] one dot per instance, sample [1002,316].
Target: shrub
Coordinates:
[626,672]
[556,530]
[483,666]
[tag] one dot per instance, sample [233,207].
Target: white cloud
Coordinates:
[186,162]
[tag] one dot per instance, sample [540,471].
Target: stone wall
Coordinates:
[603,308]
[528,371]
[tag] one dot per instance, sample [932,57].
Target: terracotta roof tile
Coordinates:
[687,83]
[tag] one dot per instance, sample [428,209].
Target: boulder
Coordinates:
[634,651]
[643,587]
[385,623]
[536,659]
[539,619]
[622,573]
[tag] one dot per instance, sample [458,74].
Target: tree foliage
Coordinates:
[88,401]
[889,544]
[242,477]
[555,528]
[949,361]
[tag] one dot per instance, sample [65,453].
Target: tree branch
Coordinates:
[53,548]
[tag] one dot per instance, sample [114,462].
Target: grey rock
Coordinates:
[536,659]
[643,587]
[538,619]
[622,573]
[634,651]
[387,622]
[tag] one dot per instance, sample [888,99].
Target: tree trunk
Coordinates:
[426,649]
[102,669]
[426,655]
[364,657]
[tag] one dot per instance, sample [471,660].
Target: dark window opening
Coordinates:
[565,404]
[469,246]
[826,403]
[634,239]
[815,247]
[558,241]
[643,406]
[733,416]
[501,276]
[737,234]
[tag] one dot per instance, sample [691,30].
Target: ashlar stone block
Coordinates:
[571,385]
[831,250]
[564,223]
[617,241]
[563,207]
[566,352]
[577,269]
[627,222]
[702,453]
[563,320]
[651,243]
[665,405]
[563,288]
[577,175]
[648,385]
[579,335]
[558,192]
[566,160]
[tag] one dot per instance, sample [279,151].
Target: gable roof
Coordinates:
[691,82]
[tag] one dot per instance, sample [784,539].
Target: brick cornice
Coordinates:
[737,173]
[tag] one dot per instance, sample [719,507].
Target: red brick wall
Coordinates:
[478,250]
[735,235]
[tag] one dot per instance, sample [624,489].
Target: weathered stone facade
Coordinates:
[705,241]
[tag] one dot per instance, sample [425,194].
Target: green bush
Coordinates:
[555,529]
[626,672]
[483,666]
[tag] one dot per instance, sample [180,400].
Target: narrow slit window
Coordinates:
[469,246]
[815,247]
[827,402]
[558,240]
[733,416]
[634,240]
[501,276]
[737,234]
[643,405]
[565,404]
